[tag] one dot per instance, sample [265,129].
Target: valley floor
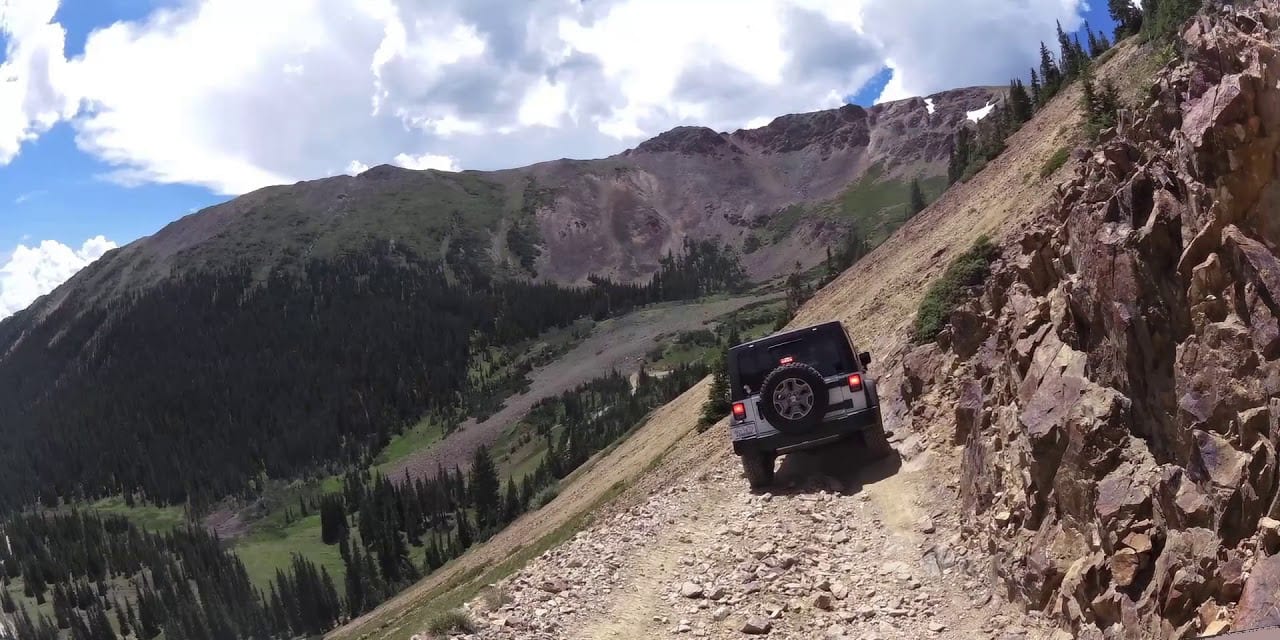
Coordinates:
[620,344]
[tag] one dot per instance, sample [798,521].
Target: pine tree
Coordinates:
[484,489]
[7,603]
[511,507]
[122,618]
[1020,105]
[333,519]
[1127,17]
[1102,105]
[1069,62]
[961,151]
[1037,100]
[464,530]
[915,199]
[716,405]
[101,625]
[1103,43]
[1050,74]
[1163,19]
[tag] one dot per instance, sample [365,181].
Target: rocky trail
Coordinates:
[843,548]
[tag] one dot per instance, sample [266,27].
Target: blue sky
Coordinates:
[132,113]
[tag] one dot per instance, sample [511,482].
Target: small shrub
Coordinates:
[968,269]
[452,621]
[751,244]
[496,597]
[545,496]
[1054,162]
[698,338]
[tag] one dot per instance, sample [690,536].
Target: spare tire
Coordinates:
[793,397]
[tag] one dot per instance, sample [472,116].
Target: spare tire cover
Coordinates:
[793,397]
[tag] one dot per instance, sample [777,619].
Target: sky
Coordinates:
[120,116]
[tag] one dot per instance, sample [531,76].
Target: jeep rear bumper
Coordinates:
[827,432]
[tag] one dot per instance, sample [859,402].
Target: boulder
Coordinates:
[756,625]
[1269,535]
[1183,575]
[968,410]
[1260,603]
[969,328]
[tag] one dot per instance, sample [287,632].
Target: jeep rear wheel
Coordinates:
[759,468]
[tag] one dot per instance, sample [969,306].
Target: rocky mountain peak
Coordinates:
[687,140]
[844,127]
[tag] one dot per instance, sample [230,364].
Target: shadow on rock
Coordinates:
[842,468]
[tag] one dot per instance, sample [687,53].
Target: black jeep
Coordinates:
[798,390]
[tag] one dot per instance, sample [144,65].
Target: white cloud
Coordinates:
[426,161]
[238,94]
[34,87]
[355,167]
[34,271]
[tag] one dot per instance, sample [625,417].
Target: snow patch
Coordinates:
[978,114]
[928,104]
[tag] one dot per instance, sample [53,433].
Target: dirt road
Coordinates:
[844,547]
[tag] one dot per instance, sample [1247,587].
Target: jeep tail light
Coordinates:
[787,360]
[739,411]
[855,382]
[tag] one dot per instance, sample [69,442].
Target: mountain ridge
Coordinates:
[831,138]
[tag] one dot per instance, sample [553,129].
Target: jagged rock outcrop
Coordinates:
[1117,388]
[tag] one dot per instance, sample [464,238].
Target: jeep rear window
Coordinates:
[824,350]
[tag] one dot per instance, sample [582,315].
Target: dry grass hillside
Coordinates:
[877,299]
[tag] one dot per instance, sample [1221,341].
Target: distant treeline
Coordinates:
[375,521]
[106,579]
[198,387]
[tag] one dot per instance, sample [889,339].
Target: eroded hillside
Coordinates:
[1115,383]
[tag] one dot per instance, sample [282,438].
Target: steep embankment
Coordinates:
[665,529]
[1115,383]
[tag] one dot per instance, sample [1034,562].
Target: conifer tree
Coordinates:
[511,506]
[716,406]
[915,199]
[1050,74]
[484,489]
[1127,17]
[1020,104]
[122,618]
[464,530]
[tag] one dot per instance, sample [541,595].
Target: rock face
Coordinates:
[617,217]
[1119,394]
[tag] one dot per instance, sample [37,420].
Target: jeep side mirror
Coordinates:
[864,358]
